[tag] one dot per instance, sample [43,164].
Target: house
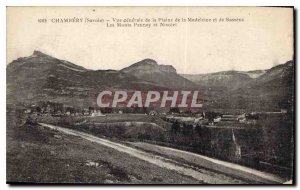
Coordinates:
[153,112]
[198,119]
[96,113]
[27,111]
[217,119]
[229,118]
[86,112]
[283,110]
[242,118]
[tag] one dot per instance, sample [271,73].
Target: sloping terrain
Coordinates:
[272,91]
[163,75]
[220,79]
[37,154]
[259,90]
[42,77]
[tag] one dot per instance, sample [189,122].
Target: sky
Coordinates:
[262,40]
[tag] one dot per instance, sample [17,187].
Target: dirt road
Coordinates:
[199,173]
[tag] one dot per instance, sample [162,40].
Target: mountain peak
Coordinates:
[148,61]
[39,54]
[149,65]
[149,70]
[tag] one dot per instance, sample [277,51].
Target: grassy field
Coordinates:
[211,141]
[39,155]
[108,118]
[118,126]
[123,117]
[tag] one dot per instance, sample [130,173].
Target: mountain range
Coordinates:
[261,90]
[41,77]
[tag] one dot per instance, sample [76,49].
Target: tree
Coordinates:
[175,127]
[38,109]
[187,129]
[144,110]
[198,129]
[174,110]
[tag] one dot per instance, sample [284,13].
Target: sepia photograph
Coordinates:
[150,95]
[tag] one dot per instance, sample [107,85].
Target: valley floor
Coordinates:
[50,154]
[38,154]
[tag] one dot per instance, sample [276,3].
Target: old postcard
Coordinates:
[150,95]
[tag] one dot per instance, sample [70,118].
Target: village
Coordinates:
[175,114]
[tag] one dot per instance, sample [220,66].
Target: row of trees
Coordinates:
[188,129]
[55,108]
